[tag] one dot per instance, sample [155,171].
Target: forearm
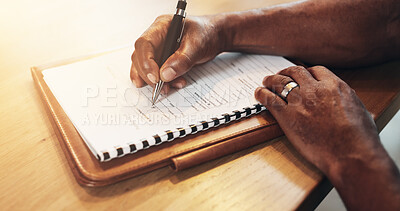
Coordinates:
[368,180]
[342,33]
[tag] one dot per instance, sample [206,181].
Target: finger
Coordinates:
[146,65]
[156,33]
[299,74]
[136,79]
[143,77]
[165,89]
[179,83]
[271,101]
[276,83]
[322,73]
[179,63]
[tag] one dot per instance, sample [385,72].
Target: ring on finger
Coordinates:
[288,88]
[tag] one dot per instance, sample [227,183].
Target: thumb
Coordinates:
[178,64]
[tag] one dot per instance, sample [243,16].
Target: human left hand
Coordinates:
[323,117]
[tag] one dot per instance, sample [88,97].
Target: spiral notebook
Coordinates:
[115,118]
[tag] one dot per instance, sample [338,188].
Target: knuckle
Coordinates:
[319,67]
[343,85]
[280,83]
[162,18]
[298,70]
[292,70]
[267,80]
[340,82]
[336,83]
[322,89]
[139,42]
[333,88]
[158,18]
[133,56]
[283,81]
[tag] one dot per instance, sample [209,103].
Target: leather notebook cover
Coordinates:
[193,149]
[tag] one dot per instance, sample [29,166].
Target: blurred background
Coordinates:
[43,31]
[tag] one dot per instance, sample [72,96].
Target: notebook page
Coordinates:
[110,113]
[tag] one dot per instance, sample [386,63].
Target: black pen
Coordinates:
[172,41]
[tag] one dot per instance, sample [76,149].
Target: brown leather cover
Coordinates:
[234,144]
[204,146]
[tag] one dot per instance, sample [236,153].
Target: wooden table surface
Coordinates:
[34,170]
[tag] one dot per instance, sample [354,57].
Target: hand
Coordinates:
[200,43]
[323,118]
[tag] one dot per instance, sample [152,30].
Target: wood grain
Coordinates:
[34,171]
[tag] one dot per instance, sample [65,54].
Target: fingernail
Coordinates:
[152,78]
[179,85]
[168,74]
[164,90]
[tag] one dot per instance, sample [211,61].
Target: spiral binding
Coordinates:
[170,135]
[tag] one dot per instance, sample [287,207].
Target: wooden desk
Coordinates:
[34,171]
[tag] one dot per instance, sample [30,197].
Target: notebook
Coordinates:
[115,118]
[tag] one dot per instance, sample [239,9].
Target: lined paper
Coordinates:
[113,116]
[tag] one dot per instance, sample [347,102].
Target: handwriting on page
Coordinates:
[222,82]
[108,111]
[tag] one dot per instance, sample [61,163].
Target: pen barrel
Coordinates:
[171,43]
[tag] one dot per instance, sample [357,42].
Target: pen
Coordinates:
[171,43]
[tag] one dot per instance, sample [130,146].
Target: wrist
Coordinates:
[224,31]
[365,161]
[232,29]
[372,179]
[245,31]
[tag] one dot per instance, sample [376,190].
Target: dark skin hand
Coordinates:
[323,118]
[199,45]
[327,123]
[345,33]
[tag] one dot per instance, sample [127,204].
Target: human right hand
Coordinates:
[201,42]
